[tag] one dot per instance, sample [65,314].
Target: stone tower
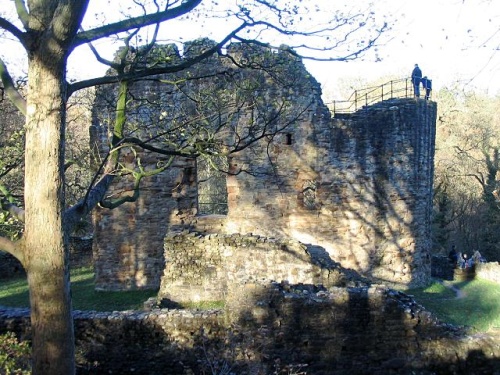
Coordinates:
[358,186]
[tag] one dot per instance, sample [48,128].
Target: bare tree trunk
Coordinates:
[44,238]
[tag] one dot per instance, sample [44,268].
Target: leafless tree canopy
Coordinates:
[467,165]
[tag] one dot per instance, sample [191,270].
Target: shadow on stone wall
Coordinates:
[273,327]
[266,328]
[359,186]
[395,148]
[204,267]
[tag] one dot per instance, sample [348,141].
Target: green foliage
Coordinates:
[9,226]
[11,166]
[15,356]
[473,303]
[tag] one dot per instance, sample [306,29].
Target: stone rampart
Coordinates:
[357,330]
[360,187]
[128,241]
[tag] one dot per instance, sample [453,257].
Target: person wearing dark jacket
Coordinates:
[427,85]
[453,256]
[416,77]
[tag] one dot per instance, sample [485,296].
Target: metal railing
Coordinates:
[396,89]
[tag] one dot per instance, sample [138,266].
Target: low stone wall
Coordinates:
[204,267]
[464,274]
[442,268]
[356,330]
[489,271]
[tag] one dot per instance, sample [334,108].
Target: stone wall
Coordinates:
[489,271]
[359,186]
[357,330]
[442,268]
[205,267]
[128,241]
[80,251]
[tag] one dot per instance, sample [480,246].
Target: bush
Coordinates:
[15,356]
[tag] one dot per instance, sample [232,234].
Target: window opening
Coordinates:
[309,194]
[212,187]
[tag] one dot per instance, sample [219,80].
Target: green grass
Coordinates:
[14,293]
[477,306]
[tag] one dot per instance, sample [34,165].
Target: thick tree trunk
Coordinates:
[44,239]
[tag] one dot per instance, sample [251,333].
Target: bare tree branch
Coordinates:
[136,22]
[18,34]
[99,58]
[22,13]
[10,89]
[13,248]
[350,56]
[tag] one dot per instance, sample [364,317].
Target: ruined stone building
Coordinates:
[356,188]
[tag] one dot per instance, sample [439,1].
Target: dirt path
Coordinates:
[459,293]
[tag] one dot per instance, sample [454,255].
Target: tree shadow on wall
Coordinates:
[369,195]
[359,330]
[346,276]
[188,343]
[388,184]
[277,328]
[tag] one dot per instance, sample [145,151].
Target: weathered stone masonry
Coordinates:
[211,267]
[371,178]
[358,187]
[355,330]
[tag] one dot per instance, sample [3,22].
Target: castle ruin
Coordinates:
[356,188]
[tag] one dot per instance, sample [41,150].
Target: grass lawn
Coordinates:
[474,303]
[14,293]
[477,305]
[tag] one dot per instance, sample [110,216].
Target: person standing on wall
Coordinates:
[416,77]
[427,85]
